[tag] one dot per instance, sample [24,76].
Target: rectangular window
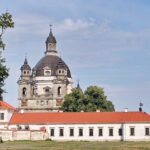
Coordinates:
[52,132]
[120,132]
[110,132]
[100,132]
[91,132]
[71,132]
[61,132]
[132,131]
[80,132]
[1,116]
[147,131]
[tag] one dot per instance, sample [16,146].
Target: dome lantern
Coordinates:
[51,44]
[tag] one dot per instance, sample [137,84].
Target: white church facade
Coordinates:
[43,87]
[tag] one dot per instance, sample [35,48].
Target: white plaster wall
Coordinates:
[7,114]
[139,131]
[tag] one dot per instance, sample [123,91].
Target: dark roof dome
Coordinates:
[25,66]
[53,62]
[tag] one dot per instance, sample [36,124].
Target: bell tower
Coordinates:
[24,83]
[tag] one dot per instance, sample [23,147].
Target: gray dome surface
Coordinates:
[52,61]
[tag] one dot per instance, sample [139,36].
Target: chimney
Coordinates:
[22,111]
[125,109]
[98,110]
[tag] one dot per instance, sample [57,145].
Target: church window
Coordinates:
[1,116]
[47,102]
[47,72]
[46,91]
[24,72]
[24,91]
[59,71]
[27,72]
[59,91]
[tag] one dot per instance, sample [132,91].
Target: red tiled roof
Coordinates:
[4,105]
[79,117]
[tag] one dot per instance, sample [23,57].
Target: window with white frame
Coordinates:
[80,131]
[111,132]
[91,131]
[120,132]
[147,131]
[61,132]
[71,132]
[52,132]
[132,131]
[100,131]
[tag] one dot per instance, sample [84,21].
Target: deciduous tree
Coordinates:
[5,23]
[93,98]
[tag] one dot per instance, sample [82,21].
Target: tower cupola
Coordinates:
[51,44]
[25,68]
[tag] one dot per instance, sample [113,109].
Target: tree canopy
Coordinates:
[91,99]
[5,23]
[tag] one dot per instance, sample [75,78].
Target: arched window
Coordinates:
[24,91]
[47,90]
[59,91]
[47,73]
[24,72]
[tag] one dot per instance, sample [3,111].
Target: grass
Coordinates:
[82,145]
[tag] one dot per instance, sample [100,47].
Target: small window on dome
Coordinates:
[47,72]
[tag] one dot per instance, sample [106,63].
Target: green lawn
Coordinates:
[82,145]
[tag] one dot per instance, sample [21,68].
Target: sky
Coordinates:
[104,42]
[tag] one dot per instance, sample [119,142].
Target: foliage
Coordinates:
[5,23]
[93,98]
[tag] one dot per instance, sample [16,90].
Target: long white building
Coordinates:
[65,126]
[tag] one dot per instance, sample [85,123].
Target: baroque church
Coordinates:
[43,87]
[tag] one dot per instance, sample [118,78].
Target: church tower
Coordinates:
[43,88]
[24,83]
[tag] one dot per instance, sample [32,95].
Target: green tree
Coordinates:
[5,23]
[93,98]
[72,101]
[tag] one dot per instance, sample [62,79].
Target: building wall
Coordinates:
[139,131]
[10,135]
[7,114]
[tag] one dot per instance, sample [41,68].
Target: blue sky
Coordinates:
[104,42]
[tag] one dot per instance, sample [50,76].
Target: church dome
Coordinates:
[53,62]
